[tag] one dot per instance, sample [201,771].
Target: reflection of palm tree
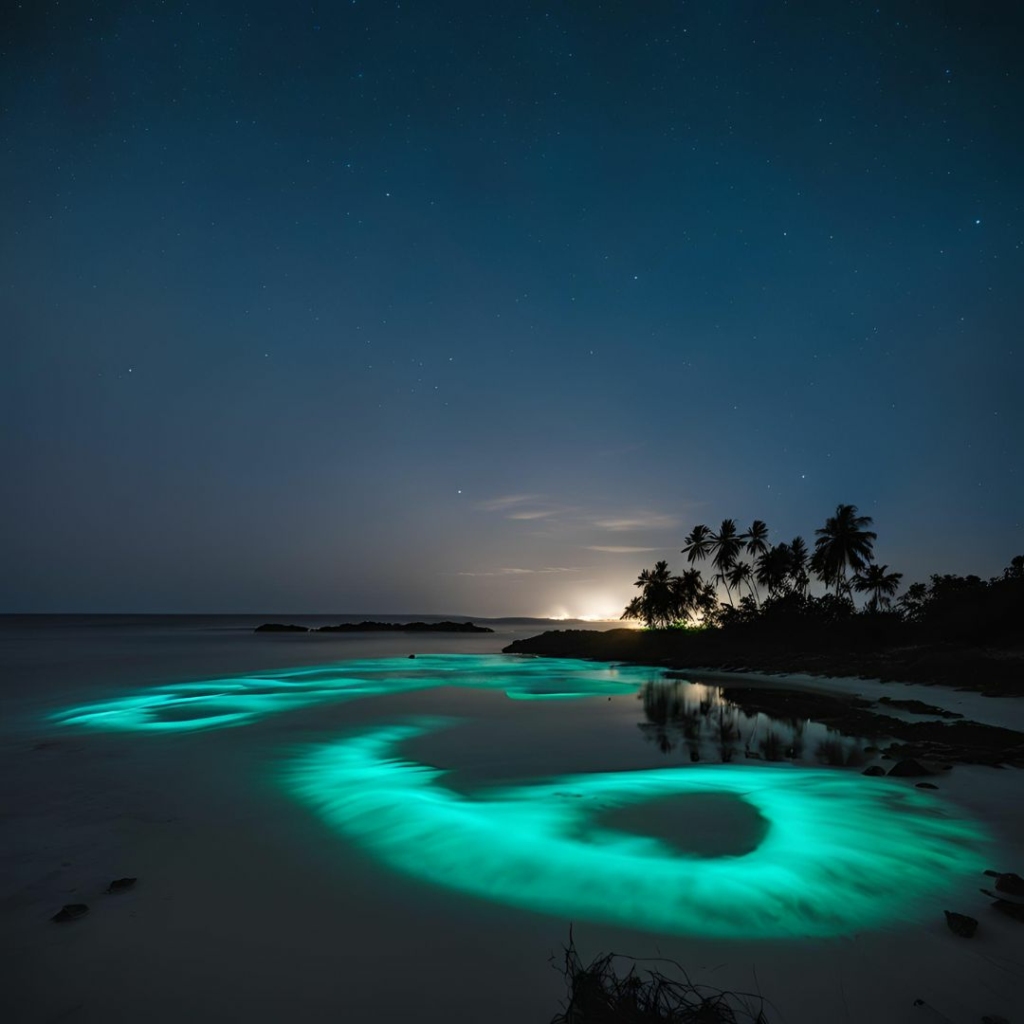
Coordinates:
[881,585]
[843,542]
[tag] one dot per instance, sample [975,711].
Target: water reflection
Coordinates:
[700,721]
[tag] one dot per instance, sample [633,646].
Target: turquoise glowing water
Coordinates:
[838,852]
[220,703]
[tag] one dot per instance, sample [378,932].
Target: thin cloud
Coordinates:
[638,521]
[620,549]
[536,513]
[511,570]
[505,502]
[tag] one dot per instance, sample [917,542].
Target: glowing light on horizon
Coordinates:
[841,852]
[589,606]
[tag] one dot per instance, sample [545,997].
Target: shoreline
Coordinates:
[917,730]
[992,671]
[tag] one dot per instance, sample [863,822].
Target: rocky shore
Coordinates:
[941,737]
[997,672]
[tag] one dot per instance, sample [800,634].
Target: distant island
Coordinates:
[375,627]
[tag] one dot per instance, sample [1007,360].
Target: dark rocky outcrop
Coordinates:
[943,742]
[997,671]
[70,912]
[918,707]
[1008,882]
[405,627]
[369,626]
[121,885]
[961,924]
[875,769]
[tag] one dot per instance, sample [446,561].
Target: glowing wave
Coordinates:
[220,703]
[838,851]
[841,852]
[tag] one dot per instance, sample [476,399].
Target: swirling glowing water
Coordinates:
[841,852]
[837,852]
[240,700]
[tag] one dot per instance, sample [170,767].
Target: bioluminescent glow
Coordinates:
[840,852]
[219,703]
[833,852]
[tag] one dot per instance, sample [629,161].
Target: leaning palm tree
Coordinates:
[726,546]
[879,583]
[844,542]
[698,544]
[756,538]
[740,573]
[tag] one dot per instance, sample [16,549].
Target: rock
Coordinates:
[121,885]
[916,707]
[989,1019]
[412,655]
[961,924]
[909,769]
[875,769]
[70,912]
[1008,882]
[280,627]
[925,785]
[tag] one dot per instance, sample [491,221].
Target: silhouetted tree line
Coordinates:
[777,579]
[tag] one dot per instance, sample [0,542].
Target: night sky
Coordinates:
[478,307]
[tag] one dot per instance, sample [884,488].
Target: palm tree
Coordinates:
[756,538]
[879,583]
[843,542]
[665,598]
[739,573]
[912,603]
[690,589]
[725,547]
[655,604]
[698,544]
[798,564]
[773,568]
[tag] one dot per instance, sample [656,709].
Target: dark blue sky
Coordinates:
[458,306]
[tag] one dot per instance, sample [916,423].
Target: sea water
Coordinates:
[323,826]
